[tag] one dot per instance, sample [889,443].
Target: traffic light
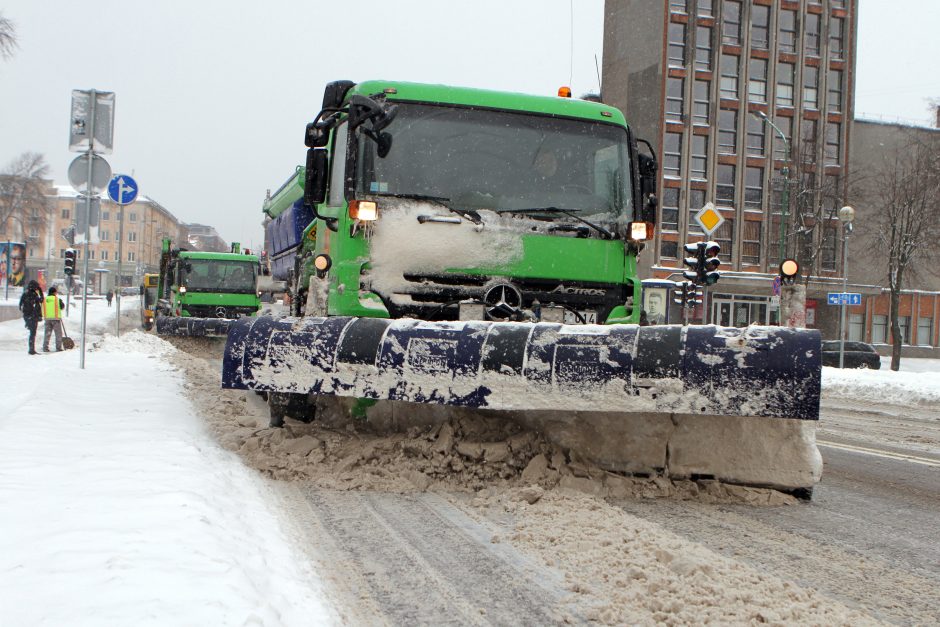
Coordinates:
[69,261]
[688,294]
[703,263]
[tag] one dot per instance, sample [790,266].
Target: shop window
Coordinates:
[879,329]
[925,331]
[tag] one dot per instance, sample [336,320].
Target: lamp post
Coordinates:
[846,215]
[785,196]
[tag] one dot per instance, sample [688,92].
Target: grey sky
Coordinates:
[212,96]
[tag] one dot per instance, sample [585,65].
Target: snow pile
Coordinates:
[117,506]
[627,570]
[907,389]
[468,452]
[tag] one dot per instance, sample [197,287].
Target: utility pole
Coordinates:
[846,215]
[784,199]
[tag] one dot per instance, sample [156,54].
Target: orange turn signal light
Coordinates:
[365,210]
[640,231]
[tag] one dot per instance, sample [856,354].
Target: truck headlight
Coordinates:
[364,210]
[182,289]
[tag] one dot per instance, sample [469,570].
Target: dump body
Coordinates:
[148,300]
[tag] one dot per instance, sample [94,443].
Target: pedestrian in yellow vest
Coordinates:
[52,312]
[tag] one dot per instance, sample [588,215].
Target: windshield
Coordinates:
[485,159]
[216,275]
[150,296]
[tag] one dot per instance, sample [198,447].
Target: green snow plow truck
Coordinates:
[478,250]
[201,293]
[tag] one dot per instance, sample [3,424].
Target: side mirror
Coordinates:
[315,179]
[648,169]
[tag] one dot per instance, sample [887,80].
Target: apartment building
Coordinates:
[748,104]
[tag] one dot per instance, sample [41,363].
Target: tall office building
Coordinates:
[748,104]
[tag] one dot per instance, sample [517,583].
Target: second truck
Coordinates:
[478,250]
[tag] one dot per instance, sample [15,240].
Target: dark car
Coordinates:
[857,355]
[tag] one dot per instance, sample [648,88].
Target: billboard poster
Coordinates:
[13,264]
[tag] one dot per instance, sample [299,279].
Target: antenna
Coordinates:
[571,40]
[597,67]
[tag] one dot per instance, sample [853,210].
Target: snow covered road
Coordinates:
[121,503]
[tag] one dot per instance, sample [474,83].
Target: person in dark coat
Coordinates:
[110,297]
[31,307]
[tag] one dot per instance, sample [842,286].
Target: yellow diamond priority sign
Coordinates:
[709,218]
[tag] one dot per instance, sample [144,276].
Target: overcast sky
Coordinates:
[212,97]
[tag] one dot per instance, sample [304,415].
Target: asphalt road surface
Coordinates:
[871,535]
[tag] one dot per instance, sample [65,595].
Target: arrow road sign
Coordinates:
[844,298]
[122,189]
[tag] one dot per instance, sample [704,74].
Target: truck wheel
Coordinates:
[285,404]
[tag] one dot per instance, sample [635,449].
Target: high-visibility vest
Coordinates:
[50,307]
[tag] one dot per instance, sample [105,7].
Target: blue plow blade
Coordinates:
[756,371]
[193,327]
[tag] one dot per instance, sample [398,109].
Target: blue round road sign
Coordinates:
[122,189]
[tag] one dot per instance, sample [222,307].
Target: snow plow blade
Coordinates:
[699,401]
[193,327]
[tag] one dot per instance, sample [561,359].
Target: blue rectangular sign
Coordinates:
[844,298]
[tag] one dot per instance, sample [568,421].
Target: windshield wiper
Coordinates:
[571,213]
[468,214]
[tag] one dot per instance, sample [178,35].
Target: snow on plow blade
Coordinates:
[193,327]
[735,404]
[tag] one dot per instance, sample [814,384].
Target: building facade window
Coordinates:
[905,323]
[724,190]
[925,331]
[827,252]
[833,149]
[133,216]
[729,77]
[834,86]
[750,244]
[785,85]
[731,22]
[808,136]
[698,158]
[676,44]
[679,6]
[104,235]
[696,202]
[668,250]
[727,131]
[130,255]
[879,329]
[672,153]
[856,328]
[675,88]
[701,102]
[703,49]
[760,27]
[756,136]
[706,8]
[811,87]
[753,188]
[787,41]
[104,255]
[757,81]
[131,236]
[65,214]
[724,237]
[105,215]
[836,38]
[811,36]
[785,125]
[670,214]
[91,253]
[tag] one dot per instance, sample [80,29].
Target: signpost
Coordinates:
[92,120]
[844,298]
[122,190]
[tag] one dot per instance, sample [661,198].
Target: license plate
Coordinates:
[590,317]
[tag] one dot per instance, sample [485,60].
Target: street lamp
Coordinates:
[846,215]
[785,171]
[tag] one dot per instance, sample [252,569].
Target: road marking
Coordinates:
[879,453]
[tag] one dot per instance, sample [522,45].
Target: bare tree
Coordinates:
[906,188]
[7,37]
[24,203]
